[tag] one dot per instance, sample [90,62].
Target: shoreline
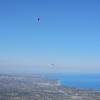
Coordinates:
[77,83]
[59,82]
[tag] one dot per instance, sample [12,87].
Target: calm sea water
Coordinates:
[85,81]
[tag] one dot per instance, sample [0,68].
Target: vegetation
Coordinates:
[39,88]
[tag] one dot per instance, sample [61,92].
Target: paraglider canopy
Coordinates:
[52,65]
[38,19]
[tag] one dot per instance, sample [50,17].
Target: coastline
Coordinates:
[78,81]
[59,82]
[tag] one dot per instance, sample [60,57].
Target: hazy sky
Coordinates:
[68,35]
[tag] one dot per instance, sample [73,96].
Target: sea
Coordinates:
[84,81]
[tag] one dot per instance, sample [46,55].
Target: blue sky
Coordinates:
[67,35]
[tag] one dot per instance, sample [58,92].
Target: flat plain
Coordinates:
[13,87]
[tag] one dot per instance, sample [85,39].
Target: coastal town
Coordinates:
[13,87]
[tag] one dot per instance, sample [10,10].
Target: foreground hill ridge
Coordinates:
[39,88]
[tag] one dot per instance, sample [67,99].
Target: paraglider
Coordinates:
[52,65]
[38,19]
